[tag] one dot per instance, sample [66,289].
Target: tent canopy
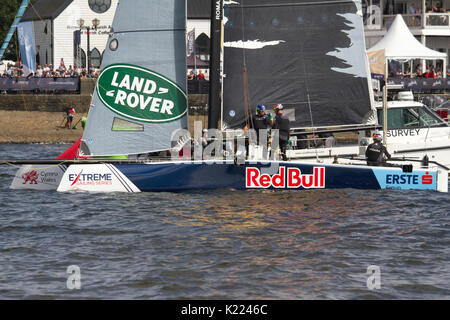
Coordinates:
[399,43]
[200,64]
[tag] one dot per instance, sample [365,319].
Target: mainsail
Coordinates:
[308,55]
[140,99]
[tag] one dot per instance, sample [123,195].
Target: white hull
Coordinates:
[38,177]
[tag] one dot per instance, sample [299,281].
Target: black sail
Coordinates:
[307,55]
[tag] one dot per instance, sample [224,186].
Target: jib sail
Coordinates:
[308,55]
[140,98]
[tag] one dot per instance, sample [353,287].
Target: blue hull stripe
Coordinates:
[203,176]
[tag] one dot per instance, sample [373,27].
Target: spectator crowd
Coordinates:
[49,71]
[430,72]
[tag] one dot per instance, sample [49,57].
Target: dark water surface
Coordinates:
[222,244]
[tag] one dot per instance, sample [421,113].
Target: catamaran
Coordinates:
[307,55]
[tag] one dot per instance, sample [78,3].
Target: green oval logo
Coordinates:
[140,94]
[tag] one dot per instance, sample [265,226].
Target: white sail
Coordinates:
[140,99]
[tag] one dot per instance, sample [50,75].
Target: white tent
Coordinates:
[400,44]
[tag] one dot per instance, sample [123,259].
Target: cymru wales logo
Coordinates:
[30,177]
[141,94]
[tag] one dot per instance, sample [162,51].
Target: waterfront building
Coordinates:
[77,30]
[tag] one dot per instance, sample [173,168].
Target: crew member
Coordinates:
[282,124]
[204,138]
[376,152]
[262,121]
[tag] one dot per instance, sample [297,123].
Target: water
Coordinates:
[221,245]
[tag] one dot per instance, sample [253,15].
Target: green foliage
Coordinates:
[8,11]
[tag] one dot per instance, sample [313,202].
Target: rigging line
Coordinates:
[42,20]
[248,114]
[37,169]
[147,30]
[312,126]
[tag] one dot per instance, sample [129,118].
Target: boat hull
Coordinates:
[207,175]
[38,177]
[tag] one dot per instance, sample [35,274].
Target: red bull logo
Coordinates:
[285,178]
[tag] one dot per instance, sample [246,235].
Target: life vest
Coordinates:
[375,152]
[260,122]
[283,125]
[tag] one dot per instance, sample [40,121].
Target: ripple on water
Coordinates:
[222,244]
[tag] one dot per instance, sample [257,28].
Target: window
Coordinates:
[418,117]
[99,6]
[96,58]
[125,125]
[202,45]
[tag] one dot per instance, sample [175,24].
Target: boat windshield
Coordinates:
[412,117]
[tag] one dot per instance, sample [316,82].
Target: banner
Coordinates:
[376,61]
[421,83]
[191,42]
[24,84]
[198,86]
[25,34]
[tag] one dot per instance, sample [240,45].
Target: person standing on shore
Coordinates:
[70,111]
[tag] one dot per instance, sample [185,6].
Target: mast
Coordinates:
[214,66]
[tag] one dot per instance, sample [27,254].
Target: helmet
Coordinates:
[377,137]
[260,107]
[278,107]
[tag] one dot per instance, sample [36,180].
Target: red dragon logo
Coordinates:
[31,176]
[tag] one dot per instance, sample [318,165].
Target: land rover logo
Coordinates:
[140,94]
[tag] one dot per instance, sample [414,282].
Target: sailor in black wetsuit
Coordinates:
[376,152]
[261,121]
[283,125]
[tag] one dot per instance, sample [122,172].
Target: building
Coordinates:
[56,24]
[428,20]
[57,29]
[57,21]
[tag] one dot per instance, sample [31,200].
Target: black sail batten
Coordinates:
[295,49]
[214,104]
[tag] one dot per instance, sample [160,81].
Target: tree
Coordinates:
[8,11]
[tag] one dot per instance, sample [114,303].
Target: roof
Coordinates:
[400,104]
[192,62]
[50,9]
[45,9]
[399,43]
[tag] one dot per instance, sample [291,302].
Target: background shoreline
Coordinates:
[37,127]
[43,127]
